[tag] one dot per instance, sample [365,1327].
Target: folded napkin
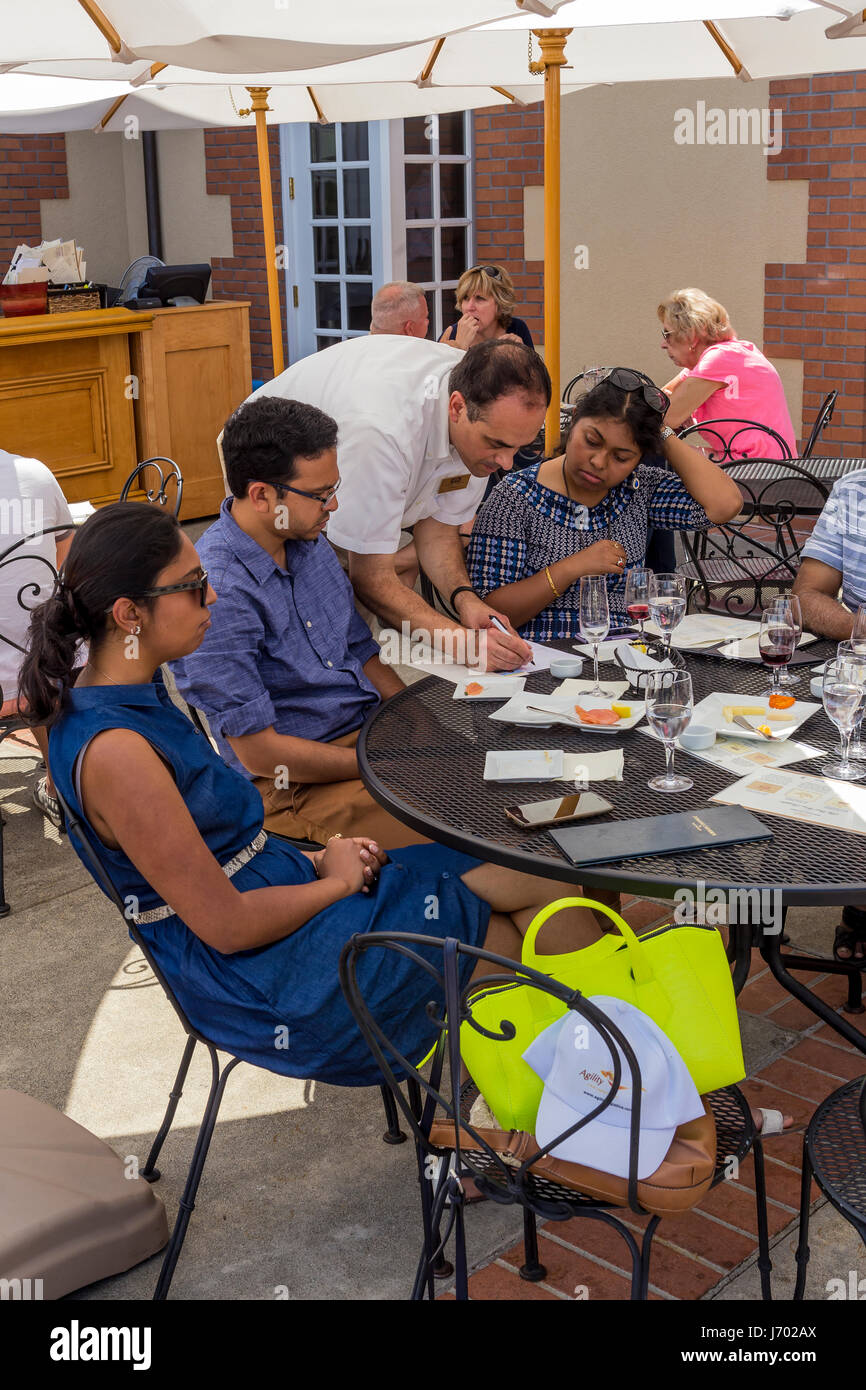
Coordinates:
[593,767]
[636,660]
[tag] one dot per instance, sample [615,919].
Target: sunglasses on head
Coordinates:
[626,379]
[491,271]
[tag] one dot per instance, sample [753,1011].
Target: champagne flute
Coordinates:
[843,697]
[667,604]
[668,711]
[638,584]
[776,642]
[594,621]
[855,660]
[796,617]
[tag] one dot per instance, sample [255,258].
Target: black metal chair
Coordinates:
[219,1076]
[822,420]
[36,588]
[834,1154]
[735,567]
[159,496]
[723,448]
[514,1183]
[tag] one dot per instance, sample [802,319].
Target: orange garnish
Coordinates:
[473,688]
[596,716]
[781,701]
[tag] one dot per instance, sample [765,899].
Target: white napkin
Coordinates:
[605,649]
[636,660]
[593,767]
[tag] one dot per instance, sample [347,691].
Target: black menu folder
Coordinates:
[675,834]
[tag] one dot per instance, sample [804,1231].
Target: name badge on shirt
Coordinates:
[454,484]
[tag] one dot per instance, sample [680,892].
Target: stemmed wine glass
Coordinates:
[858,631]
[667,604]
[843,696]
[796,616]
[594,620]
[638,585]
[668,711]
[776,641]
[855,661]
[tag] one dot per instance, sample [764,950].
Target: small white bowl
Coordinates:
[698,737]
[816,685]
[566,667]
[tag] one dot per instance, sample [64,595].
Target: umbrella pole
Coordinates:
[552,59]
[259,107]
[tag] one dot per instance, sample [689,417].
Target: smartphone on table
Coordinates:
[562,810]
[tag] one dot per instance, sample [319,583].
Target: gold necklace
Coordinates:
[94,667]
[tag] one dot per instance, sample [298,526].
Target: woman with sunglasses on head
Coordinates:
[485,298]
[246,928]
[588,511]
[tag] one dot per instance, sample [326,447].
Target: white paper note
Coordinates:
[818,800]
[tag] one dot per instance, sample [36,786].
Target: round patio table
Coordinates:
[421,755]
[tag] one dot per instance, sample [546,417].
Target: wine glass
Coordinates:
[638,584]
[843,696]
[855,659]
[776,641]
[796,614]
[858,630]
[594,621]
[668,711]
[667,604]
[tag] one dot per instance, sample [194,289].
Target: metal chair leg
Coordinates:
[393,1134]
[149,1172]
[803,1241]
[532,1270]
[5,909]
[765,1265]
[187,1201]
[645,1253]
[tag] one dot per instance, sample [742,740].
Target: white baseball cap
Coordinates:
[576,1067]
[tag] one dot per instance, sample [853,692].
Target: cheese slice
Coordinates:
[781,716]
[731,711]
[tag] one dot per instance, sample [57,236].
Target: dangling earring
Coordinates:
[136,630]
[635,482]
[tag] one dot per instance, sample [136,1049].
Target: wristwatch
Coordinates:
[667,431]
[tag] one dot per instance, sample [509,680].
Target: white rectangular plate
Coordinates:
[709,711]
[561,711]
[492,687]
[517,765]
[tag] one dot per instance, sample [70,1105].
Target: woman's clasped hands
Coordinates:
[356,861]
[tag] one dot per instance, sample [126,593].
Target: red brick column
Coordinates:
[509,156]
[231,168]
[816,310]
[31,167]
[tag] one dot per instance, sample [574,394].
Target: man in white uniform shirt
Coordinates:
[419,436]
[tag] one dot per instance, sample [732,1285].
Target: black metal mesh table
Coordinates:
[422,755]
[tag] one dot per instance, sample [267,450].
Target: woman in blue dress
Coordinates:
[247,928]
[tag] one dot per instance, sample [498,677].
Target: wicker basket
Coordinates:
[71,299]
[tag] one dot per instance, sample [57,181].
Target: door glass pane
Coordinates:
[419,254]
[453,252]
[452,138]
[324,195]
[356,144]
[450,313]
[359,251]
[452,183]
[327,305]
[356,193]
[419,191]
[416,135]
[326,250]
[323,144]
[358,299]
[325,343]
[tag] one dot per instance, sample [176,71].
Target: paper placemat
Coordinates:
[797,796]
[741,756]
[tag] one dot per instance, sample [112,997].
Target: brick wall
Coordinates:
[817,310]
[509,156]
[31,167]
[232,169]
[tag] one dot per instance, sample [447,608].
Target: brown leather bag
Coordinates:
[679,1182]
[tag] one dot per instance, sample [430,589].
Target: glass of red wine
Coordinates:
[638,584]
[776,641]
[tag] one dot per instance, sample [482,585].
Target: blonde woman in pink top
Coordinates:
[722,377]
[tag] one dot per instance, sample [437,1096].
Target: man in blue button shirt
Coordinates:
[288,670]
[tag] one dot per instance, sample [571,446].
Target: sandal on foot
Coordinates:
[772,1122]
[46,803]
[847,939]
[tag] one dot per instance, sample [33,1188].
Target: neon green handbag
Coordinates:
[678,974]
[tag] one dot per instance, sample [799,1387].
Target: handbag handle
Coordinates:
[640,965]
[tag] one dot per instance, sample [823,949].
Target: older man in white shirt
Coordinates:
[418,439]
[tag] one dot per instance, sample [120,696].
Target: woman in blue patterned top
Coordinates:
[246,928]
[588,511]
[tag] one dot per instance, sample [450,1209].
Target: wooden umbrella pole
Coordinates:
[552,59]
[259,107]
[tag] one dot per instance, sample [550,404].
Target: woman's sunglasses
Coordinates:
[190,586]
[491,271]
[627,380]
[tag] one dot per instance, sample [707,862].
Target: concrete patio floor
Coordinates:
[300,1197]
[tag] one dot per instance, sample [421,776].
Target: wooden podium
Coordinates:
[93,393]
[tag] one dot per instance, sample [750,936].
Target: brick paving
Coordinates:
[693,1253]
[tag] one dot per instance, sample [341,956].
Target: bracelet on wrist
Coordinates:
[551,583]
[461,589]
